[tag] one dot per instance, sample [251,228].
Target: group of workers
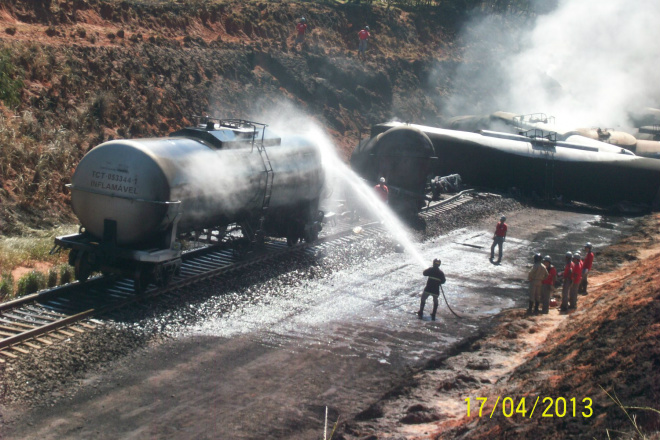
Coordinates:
[542,277]
[363,37]
[574,279]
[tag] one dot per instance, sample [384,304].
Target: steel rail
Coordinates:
[36,317]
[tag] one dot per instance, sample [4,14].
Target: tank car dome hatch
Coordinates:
[228,135]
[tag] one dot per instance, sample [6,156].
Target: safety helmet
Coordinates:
[577,256]
[382,180]
[547,258]
[437,262]
[537,257]
[588,245]
[569,255]
[302,19]
[503,218]
[366,27]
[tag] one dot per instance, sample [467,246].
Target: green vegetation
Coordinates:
[22,250]
[6,287]
[30,283]
[11,80]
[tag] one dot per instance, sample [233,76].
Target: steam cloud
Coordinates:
[588,63]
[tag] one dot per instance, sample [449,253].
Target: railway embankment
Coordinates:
[608,346]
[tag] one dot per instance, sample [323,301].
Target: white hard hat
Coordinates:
[382,180]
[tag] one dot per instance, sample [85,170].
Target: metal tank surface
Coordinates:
[136,198]
[144,184]
[535,166]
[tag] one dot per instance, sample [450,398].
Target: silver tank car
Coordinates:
[134,196]
[143,184]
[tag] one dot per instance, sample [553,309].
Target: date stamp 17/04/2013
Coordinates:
[518,407]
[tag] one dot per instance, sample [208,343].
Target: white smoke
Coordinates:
[588,63]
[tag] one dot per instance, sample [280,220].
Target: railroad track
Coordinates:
[453,202]
[45,318]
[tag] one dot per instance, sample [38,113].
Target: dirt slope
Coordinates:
[80,72]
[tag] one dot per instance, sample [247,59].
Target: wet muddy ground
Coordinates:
[263,359]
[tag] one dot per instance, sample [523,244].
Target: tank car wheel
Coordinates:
[311,236]
[82,268]
[291,240]
[140,280]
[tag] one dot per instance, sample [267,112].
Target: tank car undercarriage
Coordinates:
[159,260]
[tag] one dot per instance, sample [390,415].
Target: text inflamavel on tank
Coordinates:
[114,182]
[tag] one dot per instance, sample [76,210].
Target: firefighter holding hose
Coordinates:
[436,278]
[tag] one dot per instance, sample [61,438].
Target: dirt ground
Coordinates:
[609,345]
[349,341]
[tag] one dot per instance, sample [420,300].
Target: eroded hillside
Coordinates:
[79,72]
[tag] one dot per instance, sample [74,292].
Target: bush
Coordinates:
[11,30]
[11,81]
[30,283]
[6,287]
[52,277]
[65,274]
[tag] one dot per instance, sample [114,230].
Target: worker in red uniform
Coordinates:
[498,238]
[382,190]
[436,278]
[567,280]
[301,28]
[547,284]
[586,268]
[576,278]
[363,36]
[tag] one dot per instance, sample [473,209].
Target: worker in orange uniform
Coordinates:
[436,278]
[586,268]
[301,28]
[567,280]
[548,284]
[498,238]
[382,190]
[576,279]
[363,36]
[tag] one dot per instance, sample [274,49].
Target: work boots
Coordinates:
[433,317]
[536,307]
[420,314]
[529,310]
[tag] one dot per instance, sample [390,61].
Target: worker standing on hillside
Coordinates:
[547,284]
[436,278]
[301,29]
[363,36]
[566,275]
[382,190]
[576,278]
[498,239]
[586,268]
[536,277]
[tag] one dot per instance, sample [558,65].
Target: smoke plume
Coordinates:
[589,62]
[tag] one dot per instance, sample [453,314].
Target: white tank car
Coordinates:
[134,197]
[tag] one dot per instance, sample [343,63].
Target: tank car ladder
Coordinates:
[547,143]
[270,177]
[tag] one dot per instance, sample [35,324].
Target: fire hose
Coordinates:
[447,302]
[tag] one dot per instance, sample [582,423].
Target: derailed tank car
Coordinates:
[135,198]
[534,165]
[401,155]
